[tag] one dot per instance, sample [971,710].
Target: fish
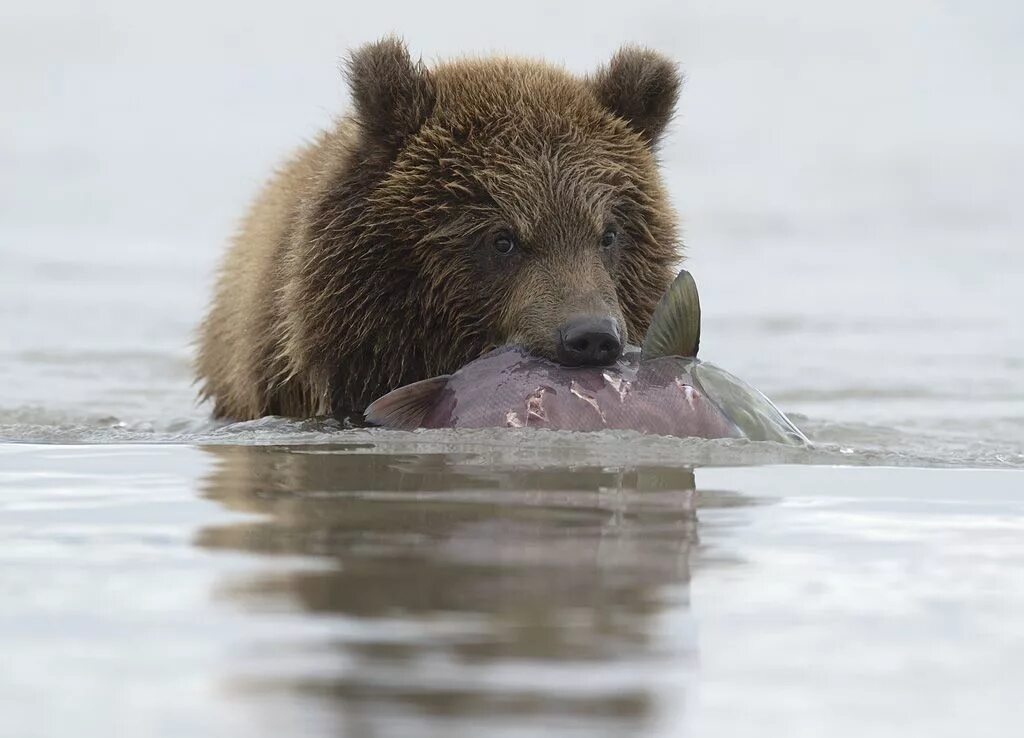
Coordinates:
[659,388]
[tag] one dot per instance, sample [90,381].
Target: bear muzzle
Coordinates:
[589,340]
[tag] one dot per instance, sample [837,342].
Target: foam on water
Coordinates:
[849,444]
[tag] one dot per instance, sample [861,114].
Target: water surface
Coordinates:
[353,590]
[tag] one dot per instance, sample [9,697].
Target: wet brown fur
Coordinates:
[367,262]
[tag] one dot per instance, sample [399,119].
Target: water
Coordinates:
[346,589]
[850,181]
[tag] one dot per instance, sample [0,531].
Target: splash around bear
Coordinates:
[476,203]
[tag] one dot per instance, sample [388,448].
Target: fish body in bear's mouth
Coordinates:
[662,389]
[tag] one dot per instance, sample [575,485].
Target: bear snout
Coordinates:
[589,340]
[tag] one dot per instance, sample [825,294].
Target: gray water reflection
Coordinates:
[474,591]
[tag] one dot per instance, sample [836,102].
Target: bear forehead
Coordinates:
[520,141]
[525,183]
[531,93]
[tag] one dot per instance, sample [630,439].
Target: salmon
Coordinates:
[660,388]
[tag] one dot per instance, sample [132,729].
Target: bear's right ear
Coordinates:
[641,87]
[393,95]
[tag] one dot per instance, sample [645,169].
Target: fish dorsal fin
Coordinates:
[406,407]
[675,327]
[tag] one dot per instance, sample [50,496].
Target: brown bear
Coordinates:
[456,209]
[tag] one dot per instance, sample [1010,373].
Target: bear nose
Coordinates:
[589,341]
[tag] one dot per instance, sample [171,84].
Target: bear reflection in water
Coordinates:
[460,556]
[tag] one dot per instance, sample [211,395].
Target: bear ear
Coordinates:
[393,95]
[641,86]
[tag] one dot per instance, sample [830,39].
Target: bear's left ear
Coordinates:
[641,86]
[393,94]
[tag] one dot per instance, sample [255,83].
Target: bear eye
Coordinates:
[504,243]
[610,237]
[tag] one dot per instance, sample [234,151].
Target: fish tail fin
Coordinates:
[675,326]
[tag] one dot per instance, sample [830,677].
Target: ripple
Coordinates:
[847,444]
